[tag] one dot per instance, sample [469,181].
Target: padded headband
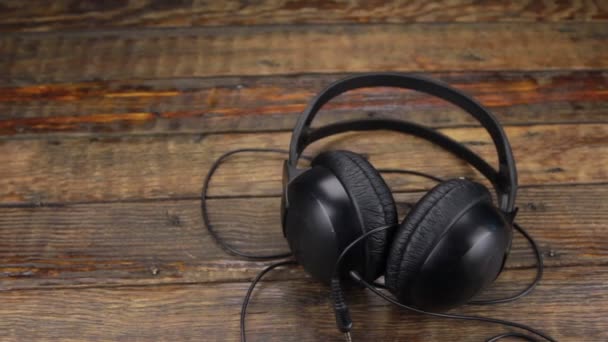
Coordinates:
[505,180]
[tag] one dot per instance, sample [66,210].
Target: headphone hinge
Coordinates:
[289,174]
[510,216]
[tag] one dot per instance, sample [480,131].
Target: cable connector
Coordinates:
[343,320]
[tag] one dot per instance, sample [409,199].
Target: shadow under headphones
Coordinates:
[451,245]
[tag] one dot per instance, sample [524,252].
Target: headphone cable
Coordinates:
[529,288]
[354,275]
[205,214]
[537,253]
[343,316]
[336,290]
[250,291]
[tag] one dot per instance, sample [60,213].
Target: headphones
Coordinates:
[451,245]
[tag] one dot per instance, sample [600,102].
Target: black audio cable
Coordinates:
[340,307]
[355,276]
[539,273]
[537,253]
[250,291]
[343,317]
[207,223]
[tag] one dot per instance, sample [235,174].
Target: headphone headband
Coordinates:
[505,180]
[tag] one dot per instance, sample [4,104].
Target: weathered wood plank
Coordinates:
[273,103]
[165,242]
[239,12]
[65,14]
[272,50]
[297,310]
[122,168]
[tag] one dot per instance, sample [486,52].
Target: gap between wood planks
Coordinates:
[221,197]
[202,135]
[258,266]
[144,32]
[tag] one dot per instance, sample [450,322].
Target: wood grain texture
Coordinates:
[71,15]
[111,113]
[273,103]
[272,50]
[296,310]
[125,168]
[239,12]
[139,243]
[37,15]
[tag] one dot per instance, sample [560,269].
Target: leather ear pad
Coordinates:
[422,227]
[371,196]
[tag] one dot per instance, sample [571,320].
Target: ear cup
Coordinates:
[423,226]
[372,198]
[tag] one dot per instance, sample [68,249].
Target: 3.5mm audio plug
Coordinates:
[343,320]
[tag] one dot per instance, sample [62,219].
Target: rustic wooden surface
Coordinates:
[112,112]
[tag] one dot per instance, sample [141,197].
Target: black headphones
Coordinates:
[451,245]
[340,220]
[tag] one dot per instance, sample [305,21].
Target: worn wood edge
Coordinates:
[278,307]
[69,170]
[153,53]
[235,104]
[143,243]
[63,15]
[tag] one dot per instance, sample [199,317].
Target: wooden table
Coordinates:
[112,112]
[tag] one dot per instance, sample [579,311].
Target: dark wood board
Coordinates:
[39,171]
[296,310]
[161,242]
[207,105]
[71,15]
[277,50]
